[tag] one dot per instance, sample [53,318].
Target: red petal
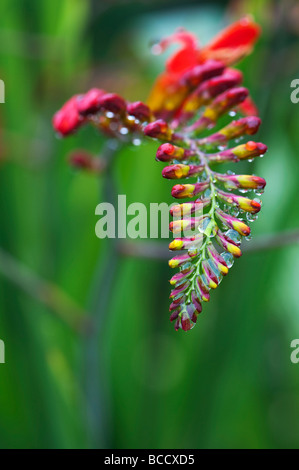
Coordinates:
[241,33]
[183,59]
[248,107]
[233,43]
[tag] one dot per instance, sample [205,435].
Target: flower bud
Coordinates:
[221,105]
[240,181]
[248,125]
[228,244]
[233,223]
[211,68]
[67,119]
[188,208]
[183,225]
[90,103]
[179,277]
[158,130]
[178,171]
[113,103]
[182,288]
[80,159]
[217,259]
[140,111]
[185,243]
[181,191]
[168,152]
[241,152]
[210,275]
[196,302]
[208,90]
[179,260]
[244,203]
[202,289]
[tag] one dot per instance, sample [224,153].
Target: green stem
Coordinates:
[96,394]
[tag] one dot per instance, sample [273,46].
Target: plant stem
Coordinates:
[100,294]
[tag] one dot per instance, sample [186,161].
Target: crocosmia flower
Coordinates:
[201,116]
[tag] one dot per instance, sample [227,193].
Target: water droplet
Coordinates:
[243,191]
[232,113]
[250,160]
[259,192]
[228,258]
[233,235]
[207,226]
[248,238]
[136,142]
[261,156]
[234,211]
[156,48]
[109,114]
[207,193]
[251,217]
[231,173]
[124,131]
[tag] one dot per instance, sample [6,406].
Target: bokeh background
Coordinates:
[131,381]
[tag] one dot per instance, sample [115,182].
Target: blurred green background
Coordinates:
[131,381]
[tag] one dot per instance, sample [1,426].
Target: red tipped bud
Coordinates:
[179,171]
[203,290]
[247,125]
[221,105]
[139,110]
[113,103]
[168,152]
[199,73]
[181,191]
[228,244]
[158,130]
[241,152]
[90,103]
[233,222]
[244,203]
[240,181]
[67,119]
[83,160]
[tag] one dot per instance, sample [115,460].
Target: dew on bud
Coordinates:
[228,258]
[234,211]
[251,217]
[110,114]
[233,235]
[256,199]
[124,131]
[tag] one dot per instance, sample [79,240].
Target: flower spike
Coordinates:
[196,90]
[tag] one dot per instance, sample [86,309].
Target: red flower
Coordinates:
[228,47]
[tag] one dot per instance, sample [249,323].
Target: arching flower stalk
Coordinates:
[196,90]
